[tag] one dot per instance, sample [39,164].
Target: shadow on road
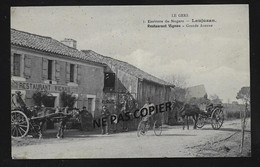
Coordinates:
[177,135]
[226,129]
[87,136]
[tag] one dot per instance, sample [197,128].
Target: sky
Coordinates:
[217,57]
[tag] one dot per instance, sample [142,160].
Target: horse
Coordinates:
[188,110]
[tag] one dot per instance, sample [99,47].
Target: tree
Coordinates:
[244,94]
[198,101]
[215,99]
[179,93]
[68,99]
[40,97]
[205,96]
[235,102]
[177,80]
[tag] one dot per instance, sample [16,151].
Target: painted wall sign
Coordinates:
[20,85]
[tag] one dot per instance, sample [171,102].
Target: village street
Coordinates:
[174,142]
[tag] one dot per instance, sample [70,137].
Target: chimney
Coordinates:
[70,42]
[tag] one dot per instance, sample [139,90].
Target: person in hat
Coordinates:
[124,110]
[17,101]
[83,118]
[149,117]
[105,115]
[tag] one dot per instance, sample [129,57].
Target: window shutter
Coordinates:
[44,68]
[78,74]
[75,73]
[57,71]
[12,64]
[68,72]
[27,66]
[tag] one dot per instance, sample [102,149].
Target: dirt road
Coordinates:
[174,142]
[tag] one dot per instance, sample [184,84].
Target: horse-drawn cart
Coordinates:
[23,122]
[214,115]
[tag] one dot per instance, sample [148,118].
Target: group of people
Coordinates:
[86,117]
[105,113]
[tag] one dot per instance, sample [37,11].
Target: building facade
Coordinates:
[41,63]
[123,79]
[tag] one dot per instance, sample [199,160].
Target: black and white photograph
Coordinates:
[137,81]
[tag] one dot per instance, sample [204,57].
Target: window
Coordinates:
[17,65]
[109,82]
[72,69]
[50,62]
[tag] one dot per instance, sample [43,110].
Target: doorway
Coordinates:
[49,101]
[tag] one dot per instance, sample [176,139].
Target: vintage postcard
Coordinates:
[130,81]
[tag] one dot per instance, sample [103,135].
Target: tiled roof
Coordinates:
[46,44]
[124,66]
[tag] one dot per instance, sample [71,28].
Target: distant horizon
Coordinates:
[216,57]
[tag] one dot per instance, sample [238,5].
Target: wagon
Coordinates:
[214,115]
[23,122]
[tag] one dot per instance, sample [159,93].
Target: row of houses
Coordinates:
[42,63]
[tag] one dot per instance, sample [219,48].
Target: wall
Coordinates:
[124,83]
[157,93]
[89,83]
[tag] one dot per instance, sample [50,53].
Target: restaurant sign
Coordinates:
[21,85]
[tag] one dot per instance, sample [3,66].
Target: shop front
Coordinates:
[53,92]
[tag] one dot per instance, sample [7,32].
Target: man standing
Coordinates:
[104,124]
[83,118]
[89,120]
[61,128]
[124,110]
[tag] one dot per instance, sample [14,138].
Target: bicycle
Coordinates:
[144,126]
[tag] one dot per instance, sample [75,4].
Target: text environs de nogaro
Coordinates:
[170,23]
[175,23]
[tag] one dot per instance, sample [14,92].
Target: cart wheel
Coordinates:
[217,118]
[19,124]
[157,128]
[141,130]
[201,121]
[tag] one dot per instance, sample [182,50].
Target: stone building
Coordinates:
[41,63]
[122,78]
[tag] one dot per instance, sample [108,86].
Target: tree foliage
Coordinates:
[40,97]
[197,101]
[179,93]
[68,99]
[177,80]
[215,99]
[244,94]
